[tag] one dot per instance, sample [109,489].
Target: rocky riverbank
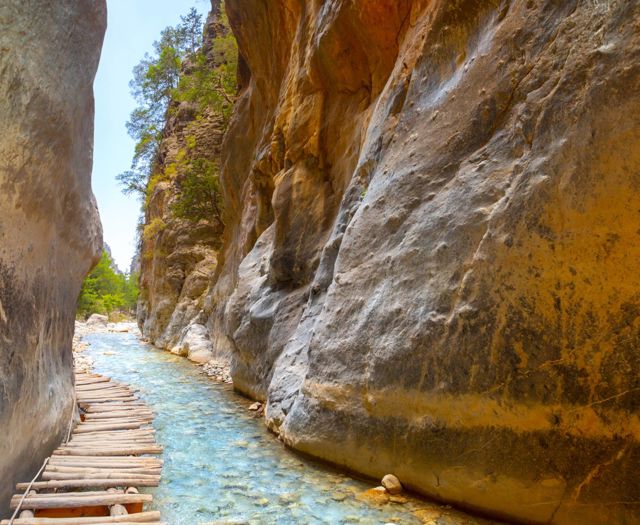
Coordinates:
[218,371]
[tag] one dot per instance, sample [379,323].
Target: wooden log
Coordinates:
[117,414]
[117,450]
[148,420]
[111,442]
[106,398]
[91,483]
[74,473]
[106,470]
[141,517]
[66,460]
[83,428]
[107,384]
[102,397]
[138,467]
[99,419]
[115,421]
[88,381]
[105,466]
[122,432]
[95,437]
[156,449]
[98,438]
[109,420]
[108,407]
[91,380]
[106,473]
[27,513]
[96,392]
[149,475]
[103,387]
[152,469]
[78,499]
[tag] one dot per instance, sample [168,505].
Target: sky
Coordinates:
[133,25]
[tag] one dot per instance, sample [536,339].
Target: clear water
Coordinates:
[222,466]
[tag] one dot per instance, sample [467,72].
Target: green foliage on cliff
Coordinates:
[198,195]
[106,290]
[154,81]
[183,69]
[211,81]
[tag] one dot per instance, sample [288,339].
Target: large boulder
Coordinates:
[50,232]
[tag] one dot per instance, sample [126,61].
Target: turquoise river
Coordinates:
[222,466]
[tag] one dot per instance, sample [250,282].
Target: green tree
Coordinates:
[198,195]
[154,80]
[106,289]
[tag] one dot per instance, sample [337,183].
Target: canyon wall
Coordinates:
[431,245]
[50,232]
[178,255]
[426,262]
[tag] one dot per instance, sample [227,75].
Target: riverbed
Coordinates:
[221,463]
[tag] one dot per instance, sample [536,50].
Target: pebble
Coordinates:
[392,484]
[217,371]
[255,406]
[339,496]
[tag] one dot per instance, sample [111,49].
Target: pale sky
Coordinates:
[133,25]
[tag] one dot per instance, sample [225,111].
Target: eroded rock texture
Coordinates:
[49,227]
[179,256]
[432,240]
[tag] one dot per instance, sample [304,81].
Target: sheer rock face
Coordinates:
[50,232]
[431,249]
[179,259]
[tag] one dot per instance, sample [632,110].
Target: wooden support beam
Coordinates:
[70,451]
[92,483]
[141,517]
[78,499]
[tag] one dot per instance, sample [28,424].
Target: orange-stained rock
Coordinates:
[377,496]
[432,241]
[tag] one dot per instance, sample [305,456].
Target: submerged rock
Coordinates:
[97,320]
[50,232]
[377,496]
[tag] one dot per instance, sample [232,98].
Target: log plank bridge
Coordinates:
[94,477]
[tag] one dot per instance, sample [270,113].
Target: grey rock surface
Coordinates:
[50,232]
[430,259]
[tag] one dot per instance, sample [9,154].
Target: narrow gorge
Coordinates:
[413,239]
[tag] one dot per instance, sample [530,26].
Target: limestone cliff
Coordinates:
[49,227]
[178,254]
[431,244]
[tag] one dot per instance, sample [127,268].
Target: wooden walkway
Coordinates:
[93,478]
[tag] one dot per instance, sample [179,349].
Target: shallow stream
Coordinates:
[222,466]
